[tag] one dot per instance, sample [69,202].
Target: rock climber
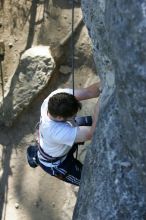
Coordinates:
[59,135]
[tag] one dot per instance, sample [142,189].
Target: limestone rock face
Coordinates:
[114,175]
[32,75]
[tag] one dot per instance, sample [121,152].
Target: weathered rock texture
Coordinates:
[113,183]
[32,75]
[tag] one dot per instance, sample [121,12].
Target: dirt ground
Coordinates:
[26,193]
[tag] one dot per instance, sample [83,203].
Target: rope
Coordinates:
[72,47]
[2,81]
[2,86]
[2,53]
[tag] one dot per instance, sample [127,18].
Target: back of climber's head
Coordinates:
[63,105]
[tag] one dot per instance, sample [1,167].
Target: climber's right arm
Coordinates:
[85,133]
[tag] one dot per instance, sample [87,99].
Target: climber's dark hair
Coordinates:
[64,105]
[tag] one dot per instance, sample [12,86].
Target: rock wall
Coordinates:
[114,175]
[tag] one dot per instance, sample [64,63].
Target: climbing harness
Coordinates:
[47,157]
[32,156]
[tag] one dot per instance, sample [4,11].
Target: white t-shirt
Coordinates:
[56,138]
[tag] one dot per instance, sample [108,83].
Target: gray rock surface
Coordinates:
[32,75]
[114,174]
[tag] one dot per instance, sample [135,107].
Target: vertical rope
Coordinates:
[2,86]
[72,47]
[2,54]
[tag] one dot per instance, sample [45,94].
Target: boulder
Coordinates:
[32,75]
